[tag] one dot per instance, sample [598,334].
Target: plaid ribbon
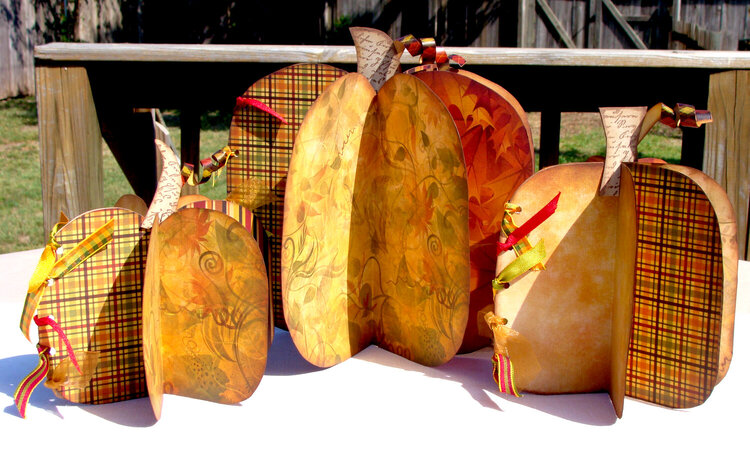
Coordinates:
[29,383]
[673,356]
[264,148]
[428,51]
[49,270]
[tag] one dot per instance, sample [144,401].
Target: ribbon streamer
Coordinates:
[243,102]
[514,363]
[516,234]
[429,52]
[520,265]
[29,383]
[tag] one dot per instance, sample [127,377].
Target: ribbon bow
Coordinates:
[429,52]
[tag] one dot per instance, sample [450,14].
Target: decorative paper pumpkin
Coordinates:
[375,246]
[97,306]
[576,313]
[263,144]
[206,321]
[639,289]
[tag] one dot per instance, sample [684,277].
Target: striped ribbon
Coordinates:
[504,374]
[208,167]
[29,383]
[429,52]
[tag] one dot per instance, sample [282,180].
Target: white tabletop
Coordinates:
[375,408]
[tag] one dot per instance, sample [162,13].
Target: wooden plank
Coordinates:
[627,29]
[727,157]
[70,143]
[526,23]
[556,24]
[211,53]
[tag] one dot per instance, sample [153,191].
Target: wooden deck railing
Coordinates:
[86,91]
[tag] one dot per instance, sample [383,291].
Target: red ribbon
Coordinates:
[248,102]
[529,225]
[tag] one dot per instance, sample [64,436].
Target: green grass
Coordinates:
[21,205]
[21,200]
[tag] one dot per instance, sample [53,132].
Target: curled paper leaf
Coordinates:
[252,193]
[508,343]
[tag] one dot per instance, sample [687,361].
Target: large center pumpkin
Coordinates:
[375,246]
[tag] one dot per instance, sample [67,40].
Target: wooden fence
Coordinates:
[27,23]
[658,24]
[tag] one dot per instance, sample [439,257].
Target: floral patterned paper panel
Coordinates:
[206,309]
[375,246]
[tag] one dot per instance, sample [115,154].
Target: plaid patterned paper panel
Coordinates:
[674,349]
[98,305]
[264,146]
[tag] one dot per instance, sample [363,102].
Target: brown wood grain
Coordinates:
[70,143]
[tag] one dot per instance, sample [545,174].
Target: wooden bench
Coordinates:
[89,91]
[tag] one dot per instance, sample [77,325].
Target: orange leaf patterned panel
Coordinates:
[207,302]
[499,155]
[375,245]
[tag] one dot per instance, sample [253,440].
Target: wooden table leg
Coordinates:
[549,138]
[190,141]
[70,143]
[727,151]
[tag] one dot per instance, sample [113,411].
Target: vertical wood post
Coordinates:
[727,150]
[526,23]
[70,143]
